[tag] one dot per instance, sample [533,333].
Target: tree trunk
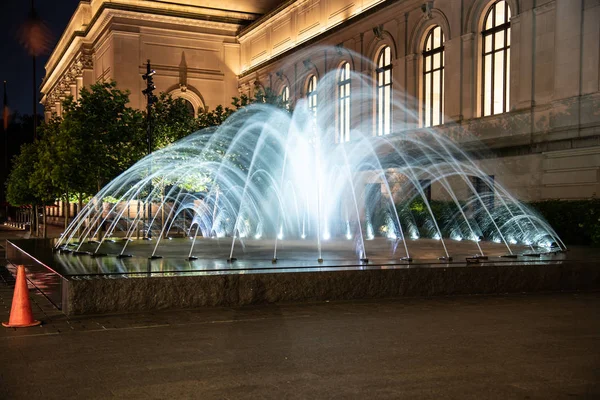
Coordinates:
[37,221]
[137,220]
[79,208]
[100,203]
[31,220]
[162,212]
[45,229]
[79,202]
[67,209]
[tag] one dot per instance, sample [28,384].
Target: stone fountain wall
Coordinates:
[155,293]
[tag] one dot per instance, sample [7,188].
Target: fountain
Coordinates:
[281,187]
[269,176]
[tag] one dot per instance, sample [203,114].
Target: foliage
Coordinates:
[198,181]
[171,121]
[41,180]
[19,132]
[575,222]
[100,135]
[416,211]
[218,116]
[18,190]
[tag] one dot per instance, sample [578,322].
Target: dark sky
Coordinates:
[15,63]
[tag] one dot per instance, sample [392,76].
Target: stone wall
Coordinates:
[544,146]
[154,293]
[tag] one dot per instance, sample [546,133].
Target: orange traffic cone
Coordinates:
[20,312]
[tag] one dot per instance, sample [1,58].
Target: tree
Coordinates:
[18,190]
[218,116]
[30,181]
[171,121]
[100,135]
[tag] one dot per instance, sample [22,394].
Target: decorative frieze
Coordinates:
[74,73]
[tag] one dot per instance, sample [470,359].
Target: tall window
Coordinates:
[311,94]
[433,77]
[190,107]
[496,59]
[285,96]
[384,91]
[344,103]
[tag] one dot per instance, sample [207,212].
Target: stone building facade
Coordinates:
[521,75]
[192,45]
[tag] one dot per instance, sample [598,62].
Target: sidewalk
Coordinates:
[492,347]
[541,346]
[7,232]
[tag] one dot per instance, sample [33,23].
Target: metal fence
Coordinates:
[44,278]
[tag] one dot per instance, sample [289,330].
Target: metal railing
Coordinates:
[49,282]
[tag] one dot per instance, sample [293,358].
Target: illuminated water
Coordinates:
[271,176]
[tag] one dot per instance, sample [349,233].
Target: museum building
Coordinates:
[523,76]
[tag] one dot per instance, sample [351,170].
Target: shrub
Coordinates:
[576,222]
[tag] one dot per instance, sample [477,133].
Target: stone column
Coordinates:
[515,72]
[412,91]
[79,85]
[468,106]
[591,51]
[452,80]
[399,86]
[544,53]
[73,90]
[524,28]
[568,46]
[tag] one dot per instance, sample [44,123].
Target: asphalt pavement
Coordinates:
[540,346]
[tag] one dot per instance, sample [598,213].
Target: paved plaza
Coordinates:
[541,346]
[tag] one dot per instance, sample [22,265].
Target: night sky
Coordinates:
[15,63]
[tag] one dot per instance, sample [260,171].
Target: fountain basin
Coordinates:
[140,284]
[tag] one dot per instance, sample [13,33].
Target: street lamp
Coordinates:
[150,99]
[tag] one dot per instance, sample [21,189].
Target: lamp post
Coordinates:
[150,99]
[34,35]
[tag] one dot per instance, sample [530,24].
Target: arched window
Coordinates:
[433,77]
[190,107]
[311,94]
[496,59]
[344,103]
[285,97]
[384,91]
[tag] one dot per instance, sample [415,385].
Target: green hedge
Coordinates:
[576,222]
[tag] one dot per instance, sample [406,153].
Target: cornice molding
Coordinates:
[315,39]
[544,8]
[107,11]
